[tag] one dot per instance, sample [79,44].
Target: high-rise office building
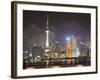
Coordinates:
[72,47]
[69,47]
[37,53]
[75,48]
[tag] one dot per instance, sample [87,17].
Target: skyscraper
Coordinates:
[37,53]
[72,47]
[75,49]
[69,47]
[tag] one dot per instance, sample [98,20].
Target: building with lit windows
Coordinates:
[75,48]
[37,53]
[69,47]
[72,47]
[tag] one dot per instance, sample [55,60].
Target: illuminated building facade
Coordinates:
[72,47]
[69,48]
[85,49]
[75,49]
[37,53]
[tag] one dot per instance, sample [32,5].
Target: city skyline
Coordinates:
[56,39]
[61,26]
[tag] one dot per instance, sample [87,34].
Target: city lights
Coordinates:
[83,44]
[47,38]
[68,38]
[75,53]
[56,52]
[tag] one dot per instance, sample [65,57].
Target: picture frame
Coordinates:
[35,54]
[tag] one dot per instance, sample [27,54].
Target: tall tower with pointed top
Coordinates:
[47,32]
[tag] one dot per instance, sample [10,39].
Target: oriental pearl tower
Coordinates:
[47,35]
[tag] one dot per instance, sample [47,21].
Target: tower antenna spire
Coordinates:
[47,23]
[47,31]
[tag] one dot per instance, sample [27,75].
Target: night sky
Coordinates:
[61,25]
